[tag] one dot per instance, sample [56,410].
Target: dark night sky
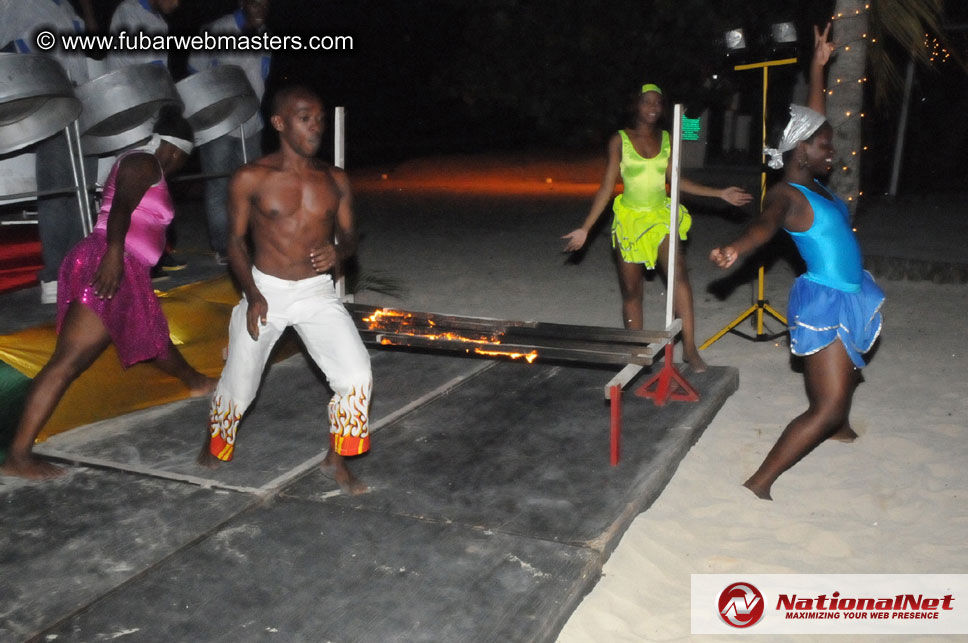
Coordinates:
[449,75]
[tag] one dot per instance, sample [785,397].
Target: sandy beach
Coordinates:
[891,502]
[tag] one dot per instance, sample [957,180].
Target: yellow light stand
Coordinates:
[761,305]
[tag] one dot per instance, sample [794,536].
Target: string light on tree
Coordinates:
[845,82]
[937,51]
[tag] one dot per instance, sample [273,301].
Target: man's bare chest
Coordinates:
[302,199]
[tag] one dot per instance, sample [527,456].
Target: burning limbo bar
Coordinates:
[502,338]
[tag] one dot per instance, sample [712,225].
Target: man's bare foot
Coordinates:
[759,492]
[695,362]
[843,434]
[334,467]
[202,386]
[206,459]
[30,467]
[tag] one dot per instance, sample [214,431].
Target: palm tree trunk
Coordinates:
[845,98]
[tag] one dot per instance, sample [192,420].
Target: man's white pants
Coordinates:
[332,340]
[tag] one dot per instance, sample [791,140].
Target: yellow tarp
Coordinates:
[198,319]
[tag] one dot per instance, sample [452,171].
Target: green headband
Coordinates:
[650,87]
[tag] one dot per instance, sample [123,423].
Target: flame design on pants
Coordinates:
[311,307]
[349,427]
[223,420]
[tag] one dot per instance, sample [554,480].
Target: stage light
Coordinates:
[735,40]
[783,40]
[783,32]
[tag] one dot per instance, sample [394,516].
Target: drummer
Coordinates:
[224,155]
[58,218]
[147,17]
[140,16]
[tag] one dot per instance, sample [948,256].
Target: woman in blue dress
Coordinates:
[834,308]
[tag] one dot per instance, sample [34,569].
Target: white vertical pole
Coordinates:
[73,135]
[673,211]
[901,129]
[339,134]
[245,154]
[339,160]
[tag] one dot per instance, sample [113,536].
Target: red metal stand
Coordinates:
[668,384]
[616,432]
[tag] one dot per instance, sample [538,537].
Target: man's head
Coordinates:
[255,13]
[164,6]
[298,115]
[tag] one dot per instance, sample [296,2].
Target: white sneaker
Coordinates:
[48,292]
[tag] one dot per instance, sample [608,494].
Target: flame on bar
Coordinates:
[396,322]
[447,337]
[528,357]
[388,314]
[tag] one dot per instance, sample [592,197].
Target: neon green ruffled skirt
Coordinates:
[637,232]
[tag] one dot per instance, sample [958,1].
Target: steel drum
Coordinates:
[217,101]
[36,100]
[120,106]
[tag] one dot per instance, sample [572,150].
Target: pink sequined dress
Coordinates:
[133,317]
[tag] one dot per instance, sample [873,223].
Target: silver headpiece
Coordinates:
[803,123]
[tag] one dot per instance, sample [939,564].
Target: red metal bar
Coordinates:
[616,431]
[668,384]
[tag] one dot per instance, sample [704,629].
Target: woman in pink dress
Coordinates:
[105,294]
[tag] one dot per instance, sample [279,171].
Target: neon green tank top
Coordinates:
[644,179]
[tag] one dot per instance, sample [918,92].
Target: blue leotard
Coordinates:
[836,299]
[829,247]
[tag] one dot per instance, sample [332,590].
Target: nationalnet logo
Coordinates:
[830,604]
[741,605]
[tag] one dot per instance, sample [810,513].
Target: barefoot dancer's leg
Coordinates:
[683,306]
[334,466]
[334,343]
[175,365]
[830,381]
[82,339]
[240,380]
[630,277]
[845,432]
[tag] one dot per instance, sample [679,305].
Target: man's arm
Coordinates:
[345,218]
[326,256]
[87,14]
[242,190]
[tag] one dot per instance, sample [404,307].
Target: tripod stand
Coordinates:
[760,306]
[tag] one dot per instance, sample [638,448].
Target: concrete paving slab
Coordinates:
[66,542]
[524,450]
[296,570]
[492,511]
[284,433]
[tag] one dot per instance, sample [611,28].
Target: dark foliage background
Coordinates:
[432,76]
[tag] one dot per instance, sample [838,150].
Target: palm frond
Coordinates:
[906,24]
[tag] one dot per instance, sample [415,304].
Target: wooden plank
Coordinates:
[438,323]
[600,355]
[592,333]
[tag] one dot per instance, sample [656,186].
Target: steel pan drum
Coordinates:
[36,100]
[217,101]
[119,106]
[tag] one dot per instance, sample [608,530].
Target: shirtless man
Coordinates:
[293,206]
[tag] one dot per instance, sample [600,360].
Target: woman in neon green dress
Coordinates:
[640,228]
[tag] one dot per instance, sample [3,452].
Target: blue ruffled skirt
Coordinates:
[818,315]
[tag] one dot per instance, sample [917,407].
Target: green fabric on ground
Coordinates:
[13,392]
